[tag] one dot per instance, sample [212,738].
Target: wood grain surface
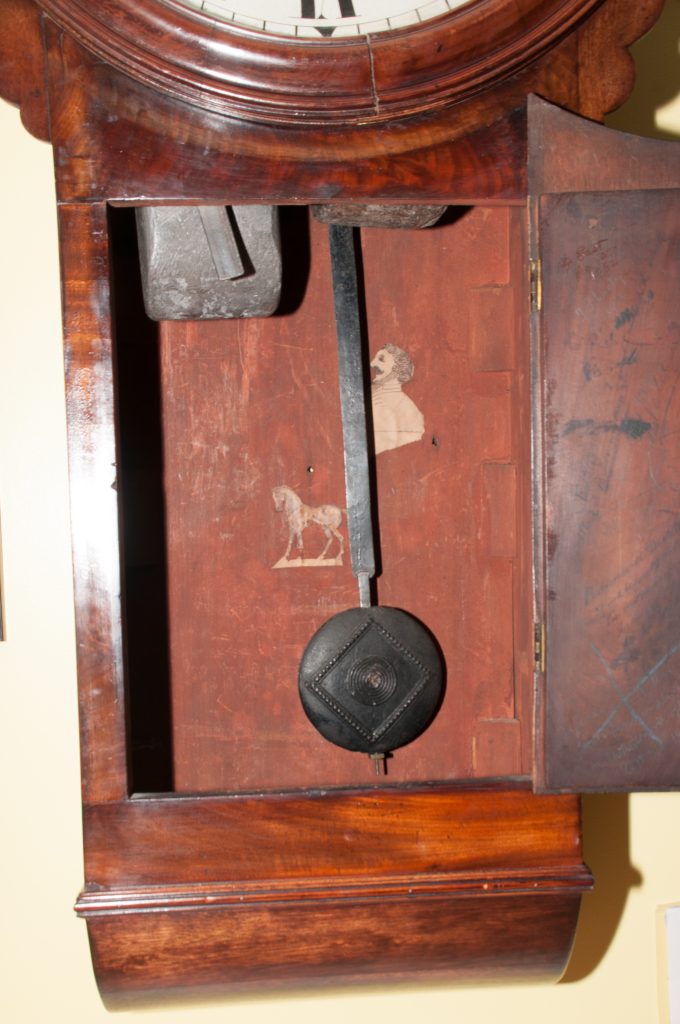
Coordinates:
[607,237]
[253,405]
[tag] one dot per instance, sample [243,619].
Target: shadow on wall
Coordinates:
[606,839]
[657,63]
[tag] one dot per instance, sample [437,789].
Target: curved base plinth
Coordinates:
[495,930]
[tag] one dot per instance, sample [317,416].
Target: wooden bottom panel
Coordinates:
[194,897]
[194,954]
[280,841]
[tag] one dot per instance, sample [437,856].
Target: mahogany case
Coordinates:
[228,847]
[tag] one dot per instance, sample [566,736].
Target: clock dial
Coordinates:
[324,18]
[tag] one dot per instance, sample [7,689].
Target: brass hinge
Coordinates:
[539,646]
[536,285]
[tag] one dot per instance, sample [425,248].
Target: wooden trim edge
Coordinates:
[96,902]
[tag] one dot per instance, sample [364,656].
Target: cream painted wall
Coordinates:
[633,846]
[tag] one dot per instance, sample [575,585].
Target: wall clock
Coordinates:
[517,376]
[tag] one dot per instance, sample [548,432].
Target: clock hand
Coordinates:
[353,407]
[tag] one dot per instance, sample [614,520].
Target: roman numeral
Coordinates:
[308,9]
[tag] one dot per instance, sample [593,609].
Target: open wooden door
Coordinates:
[605,251]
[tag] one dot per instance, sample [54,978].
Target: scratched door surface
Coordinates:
[609,361]
[253,467]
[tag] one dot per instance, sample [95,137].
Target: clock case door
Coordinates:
[605,253]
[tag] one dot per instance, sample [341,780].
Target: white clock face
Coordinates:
[323,18]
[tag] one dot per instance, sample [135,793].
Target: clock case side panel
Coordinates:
[93,464]
[605,244]
[117,524]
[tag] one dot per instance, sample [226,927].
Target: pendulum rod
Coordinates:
[353,407]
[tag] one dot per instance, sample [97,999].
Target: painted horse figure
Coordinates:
[299,516]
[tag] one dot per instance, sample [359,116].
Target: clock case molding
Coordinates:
[277,80]
[189,894]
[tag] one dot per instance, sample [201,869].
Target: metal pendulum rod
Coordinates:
[354,421]
[353,407]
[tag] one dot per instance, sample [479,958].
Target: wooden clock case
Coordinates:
[226,846]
